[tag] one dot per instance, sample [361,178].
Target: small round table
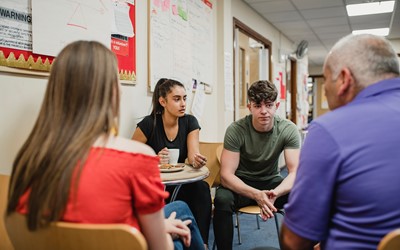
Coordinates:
[187,175]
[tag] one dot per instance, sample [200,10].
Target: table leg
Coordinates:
[175,192]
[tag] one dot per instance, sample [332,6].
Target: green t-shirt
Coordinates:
[259,151]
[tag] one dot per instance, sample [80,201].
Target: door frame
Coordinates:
[237,24]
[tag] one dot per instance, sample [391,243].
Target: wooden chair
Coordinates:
[71,236]
[255,210]
[209,150]
[250,209]
[391,241]
[5,243]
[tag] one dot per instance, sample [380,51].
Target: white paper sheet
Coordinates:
[57,23]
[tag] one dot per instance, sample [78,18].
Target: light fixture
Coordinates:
[370,8]
[378,32]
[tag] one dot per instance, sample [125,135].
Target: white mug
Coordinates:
[173,155]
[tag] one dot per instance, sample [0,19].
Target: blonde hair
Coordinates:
[81,103]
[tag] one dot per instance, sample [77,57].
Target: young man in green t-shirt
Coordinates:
[249,162]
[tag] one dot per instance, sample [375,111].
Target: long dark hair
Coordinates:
[162,88]
[81,103]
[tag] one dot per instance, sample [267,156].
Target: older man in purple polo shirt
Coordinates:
[346,190]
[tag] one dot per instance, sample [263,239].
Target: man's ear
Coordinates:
[346,83]
[277,105]
[249,106]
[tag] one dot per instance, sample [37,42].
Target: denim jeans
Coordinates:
[197,196]
[183,213]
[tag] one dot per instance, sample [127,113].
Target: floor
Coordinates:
[263,238]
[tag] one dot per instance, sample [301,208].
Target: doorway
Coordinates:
[291,89]
[252,62]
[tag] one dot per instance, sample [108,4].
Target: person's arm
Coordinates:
[138,135]
[292,162]
[289,240]
[154,230]
[229,164]
[194,157]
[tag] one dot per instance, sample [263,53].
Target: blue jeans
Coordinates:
[183,213]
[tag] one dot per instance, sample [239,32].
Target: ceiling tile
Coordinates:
[332,35]
[324,12]
[316,4]
[325,22]
[365,26]
[333,29]
[275,6]
[292,25]
[286,16]
[321,22]
[257,1]
[310,37]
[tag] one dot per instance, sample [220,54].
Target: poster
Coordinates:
[29,40]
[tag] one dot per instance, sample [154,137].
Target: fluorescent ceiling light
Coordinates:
[378,32]
[370,8]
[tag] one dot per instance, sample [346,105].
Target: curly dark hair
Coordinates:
[262,91]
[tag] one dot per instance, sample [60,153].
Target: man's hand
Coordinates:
[272,195]
[265,200]
[178,229]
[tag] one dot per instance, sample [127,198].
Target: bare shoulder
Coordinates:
[128,145]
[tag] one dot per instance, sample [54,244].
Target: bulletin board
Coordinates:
[181,36]
[17,50]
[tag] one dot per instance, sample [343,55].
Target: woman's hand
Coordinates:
[178,229]
[199,160]
[164,156]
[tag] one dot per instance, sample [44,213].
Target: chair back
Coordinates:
[219,152]
[209,150]
[5,243]
[391,241]
[69,236]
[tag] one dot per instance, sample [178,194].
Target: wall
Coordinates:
[396,45]
[320,98]
[315,70]
[21,96]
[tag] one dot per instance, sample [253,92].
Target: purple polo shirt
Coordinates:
[346,192]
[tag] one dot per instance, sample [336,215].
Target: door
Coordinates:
[251,63]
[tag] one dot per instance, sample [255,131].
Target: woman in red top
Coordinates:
[73,168]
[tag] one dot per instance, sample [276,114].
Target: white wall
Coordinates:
[396,44]
[20,100]
[21,95]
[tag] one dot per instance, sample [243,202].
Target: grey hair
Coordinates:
[368,57]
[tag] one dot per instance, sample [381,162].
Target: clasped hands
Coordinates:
[265,200]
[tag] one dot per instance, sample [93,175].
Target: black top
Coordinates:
[158,140]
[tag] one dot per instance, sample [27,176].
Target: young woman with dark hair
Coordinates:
[168,126]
